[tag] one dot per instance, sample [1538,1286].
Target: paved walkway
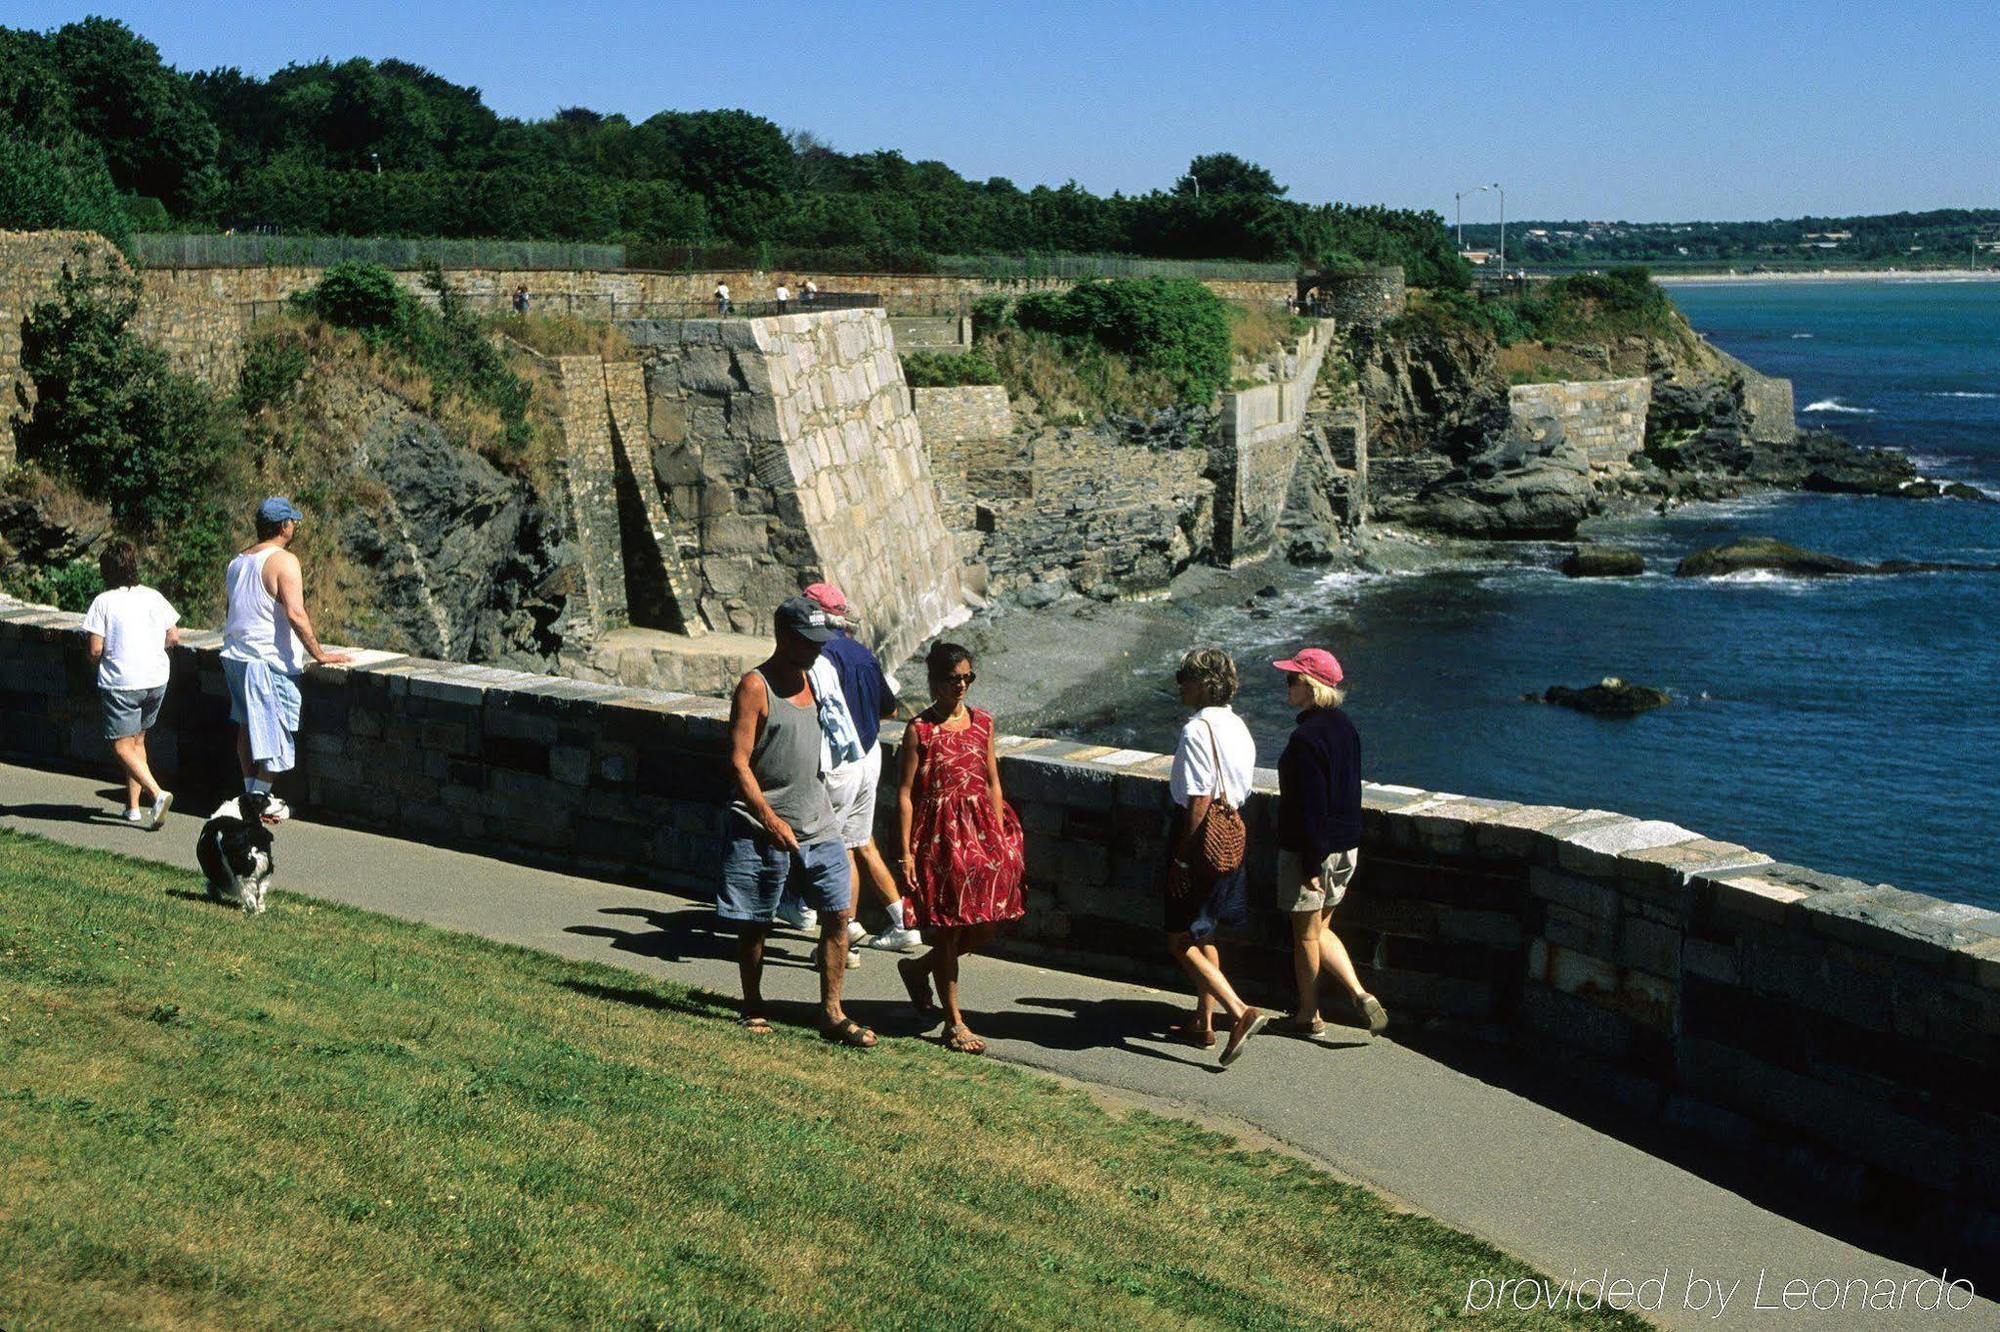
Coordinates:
[1557,1194]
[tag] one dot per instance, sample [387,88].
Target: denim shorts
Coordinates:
[755,871]
[130,711]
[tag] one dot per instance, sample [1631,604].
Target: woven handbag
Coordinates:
[1216,847]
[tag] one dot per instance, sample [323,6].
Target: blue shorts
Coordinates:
[286,687]
[755,871]
[130,711]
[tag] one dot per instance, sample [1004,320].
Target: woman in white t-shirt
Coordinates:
[131,627]
[1215,760]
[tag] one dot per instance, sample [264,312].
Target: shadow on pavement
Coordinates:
[1094,1024]
[53,813]
[689,933]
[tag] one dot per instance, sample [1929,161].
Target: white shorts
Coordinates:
[1297,890]
[851,788]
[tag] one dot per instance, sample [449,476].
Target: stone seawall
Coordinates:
[1768,405]
[1834,1029]
[1357,300]
[1605,418]
[1257,449]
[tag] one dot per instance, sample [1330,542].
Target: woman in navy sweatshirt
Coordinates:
[1319,833]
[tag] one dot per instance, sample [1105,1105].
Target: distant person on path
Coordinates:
[263,633]
[1214,761]
[870,697]
[781,823]
[784,297]
[131,627]
[962,854]
[811,292]
[521,299]
[1319,833]
[722,298]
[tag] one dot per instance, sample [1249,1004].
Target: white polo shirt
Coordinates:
[1195,758]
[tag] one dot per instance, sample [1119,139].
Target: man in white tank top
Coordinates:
[265,641]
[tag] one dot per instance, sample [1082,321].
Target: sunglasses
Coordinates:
[961,681]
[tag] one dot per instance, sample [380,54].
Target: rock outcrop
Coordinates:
[1609,697]
[1769,553]
[1595,561]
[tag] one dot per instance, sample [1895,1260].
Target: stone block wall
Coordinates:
[957,416]
[931,332]
[1768,404]
[788,444]
[969,437]
[1606,417]
[1843,1031]
[590,487]
[1257,448]
[1114,520]
[1357,300]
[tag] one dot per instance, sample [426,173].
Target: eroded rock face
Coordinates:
[465,564]
[1781,557]
[1431,392]
[1530,483]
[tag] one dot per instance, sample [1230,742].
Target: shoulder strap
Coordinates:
[1221,782]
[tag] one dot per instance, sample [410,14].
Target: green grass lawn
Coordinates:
[323,1117]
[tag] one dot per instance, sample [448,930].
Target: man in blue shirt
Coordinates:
[870,697]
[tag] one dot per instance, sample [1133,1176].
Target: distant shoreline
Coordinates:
[1831,275]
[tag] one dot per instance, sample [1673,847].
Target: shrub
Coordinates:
[949,369]
[362,296]
[274,361]
[58,186]
[1174,327]
[110,416]
[69,587]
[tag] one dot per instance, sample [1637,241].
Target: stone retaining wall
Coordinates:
[1360,299]
[1257,448]
[1768,404]
[1607,417]
[1839,1030]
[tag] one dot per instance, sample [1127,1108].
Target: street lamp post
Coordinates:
[1458,214]
[376,158]
[1503,226]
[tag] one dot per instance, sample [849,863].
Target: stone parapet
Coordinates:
[1843,1028]
[1837,1025]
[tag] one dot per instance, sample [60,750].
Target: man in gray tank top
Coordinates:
[781,826]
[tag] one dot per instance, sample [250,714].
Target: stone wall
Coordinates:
[1835,1029]
[931,332]
[1607,418]
[788,445]
[590,487]
[1361,299]
[1768,405]
[974,451]
[1114,520]
[1257,448]
[958,416]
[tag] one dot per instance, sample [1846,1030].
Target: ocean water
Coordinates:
[1852,725]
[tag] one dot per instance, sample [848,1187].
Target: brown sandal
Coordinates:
[962,1041]
[754,1024]
[848,1032]
[1186,1033]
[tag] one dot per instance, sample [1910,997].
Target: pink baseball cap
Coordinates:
[1316,662]
[829,596]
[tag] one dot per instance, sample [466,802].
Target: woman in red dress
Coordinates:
[962,861]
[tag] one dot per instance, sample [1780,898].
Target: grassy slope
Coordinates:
[326,1117]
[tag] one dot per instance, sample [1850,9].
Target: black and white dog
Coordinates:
[234,849]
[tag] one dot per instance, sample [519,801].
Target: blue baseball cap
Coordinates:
[278,509]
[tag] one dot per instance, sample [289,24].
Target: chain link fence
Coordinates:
[1082,267]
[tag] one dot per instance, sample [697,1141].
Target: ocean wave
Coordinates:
[1836,405]
[1960,393]
[1801,335]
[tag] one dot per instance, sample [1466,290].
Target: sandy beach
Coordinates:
[1832,275]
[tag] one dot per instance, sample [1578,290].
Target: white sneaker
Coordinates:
[799,917]
[157,816]
[855,934]
[897,940]
[277,811]
[136,817]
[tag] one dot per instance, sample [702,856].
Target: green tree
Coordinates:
[1226,173]
[156,137]
[64,185]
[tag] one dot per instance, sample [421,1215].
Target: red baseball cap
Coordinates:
[829,596]
[1315,662]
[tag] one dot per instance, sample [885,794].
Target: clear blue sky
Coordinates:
[1614,109]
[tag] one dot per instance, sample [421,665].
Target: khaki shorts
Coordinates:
[1296,891]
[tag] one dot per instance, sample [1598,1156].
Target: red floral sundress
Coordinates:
[968,870]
